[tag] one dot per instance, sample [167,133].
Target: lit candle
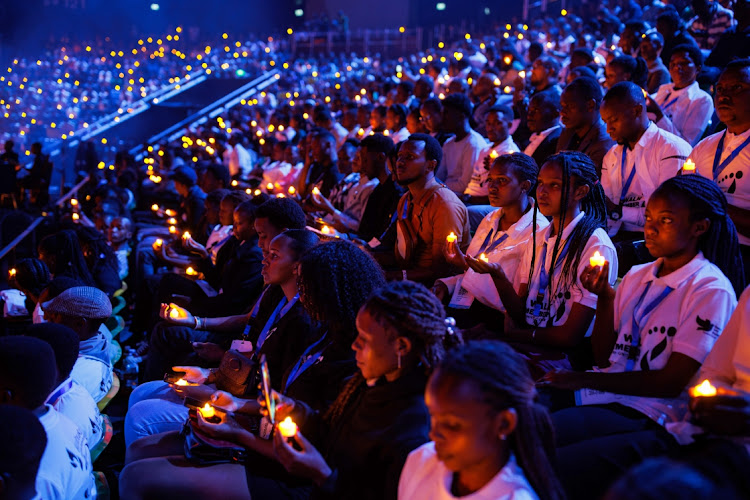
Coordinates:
[73,202]
[248,191]
[483,258]
[361,131]
[158,243]
[493,154]
[170,212]
[235,183]
[292,190]
[257,192]
[76,216]
[645,94]
[174,314]
[172,221]
[688,167]
[172,230]
[186,235]
[288,428]
[269,186]
[182,382]
[207,411]
[451,237]
[704,389]
[316,191]
[386,133]
[522,74]
[597,259]
[12,273]
[155,207]
[191,272]
[507,59]
[326,230]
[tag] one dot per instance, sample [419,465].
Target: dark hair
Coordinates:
[577,170]
[282,213]
[524,167]
[719,244]
[300,241]
[400,111]
[69,259]
[692,51]
[583,72]
[215,196]
[583,53]
[98,246]
[626,92]
[432,149]
[406,85]
[220,173]
[503,109]
[433,104]
[32,275]
[235,198]
[334,281]
[459,102]
[247,209]
[586,89]
[377,143]
[503,380]
[635,66]
[671,18]
[549,99]
[24,441]
[64,342]
[28,369]
[405,309]
[737,64]
[550,63]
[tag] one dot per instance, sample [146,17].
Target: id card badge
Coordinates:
[243,346]
[594,397]
[373,243]
[265,429]
[461,298]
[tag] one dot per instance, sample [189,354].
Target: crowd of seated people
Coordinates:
[511,267]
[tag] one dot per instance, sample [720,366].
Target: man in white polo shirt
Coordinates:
[643,158]
[725,156]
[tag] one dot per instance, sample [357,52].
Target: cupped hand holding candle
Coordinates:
[597,260]
[269,187]
[182,382]
[483,257]
[207,411]
[191,272]
[493,154]
[12,273]
[451,237]
[288,428]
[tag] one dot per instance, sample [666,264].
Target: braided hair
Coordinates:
[68,257]
[503,380]
[334,281]
[405,309]
[32,276]
[524,167]
[577,170]
[719,244]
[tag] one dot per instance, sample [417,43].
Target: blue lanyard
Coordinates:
[52,399]
[544,280]
[634,352]
[281,309]
[629,181]
[254,313]
[718,168]
[308,358]
[494,244]
[669,104]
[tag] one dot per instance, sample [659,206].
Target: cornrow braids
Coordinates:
[410,310]
[577,170]
[503,380]
[720,243]
[524,167]
[405,309]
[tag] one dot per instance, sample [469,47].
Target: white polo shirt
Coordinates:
[734,179]
[425,477]
[686,111]
[73,400]
[688,321]
[657,156]
[478,183]
[65,472]
[458,161]
[509,251]
[555,312]
[729,360]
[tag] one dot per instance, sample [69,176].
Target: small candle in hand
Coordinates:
[73,202]
[645,94]
[269,186]
[597,259]
[174,314]
[235,183]
[316,191]
[451,237]
[483,258]
[186,235]
[326,230]
[76,216]
[182,382]
[704,389]
[288,428]
[172,221]
[257,192]
[292,190]
[155,207]
[12,273]
[493,154]
[191,272]
[688,167]
[170,212]
[172,230]
[207,411]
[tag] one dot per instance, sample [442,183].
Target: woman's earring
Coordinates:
[399,361]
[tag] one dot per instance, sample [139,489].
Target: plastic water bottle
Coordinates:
[130,368]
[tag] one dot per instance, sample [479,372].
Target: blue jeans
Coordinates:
[153,408]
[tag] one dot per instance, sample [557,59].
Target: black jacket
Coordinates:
[594,144]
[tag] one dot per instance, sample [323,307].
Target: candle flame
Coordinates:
[704,389]
[326,230]
[451,237]
[182,382]
[597,259]
[207,411]
[155,207]
[688,166]
[287,428]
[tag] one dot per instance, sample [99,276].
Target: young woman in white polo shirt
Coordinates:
[490,438]
[502,236]
[650,337]
[549,312]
